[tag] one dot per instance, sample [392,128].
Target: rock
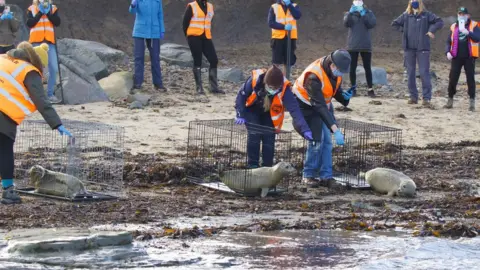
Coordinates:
[379,76]
[401,115]
[179,55]
[23,32]
[78,86]
[85,59]
[375,102]
[135,105]
[234,75]
[109,56]
[433,75]
[117,85]
[143,99]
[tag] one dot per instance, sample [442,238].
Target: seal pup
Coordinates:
[55,183]
[390,182]
[258,180]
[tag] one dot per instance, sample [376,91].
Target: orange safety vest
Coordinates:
[277,110]
[327,89]
[15,101]
[284,19]
[474,48]
[43,30]
[200,22]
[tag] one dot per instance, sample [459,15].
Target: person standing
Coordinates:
[282,17]
[418,26]
[462,49]
[360,21]
[8,27]
[147,31]
[22,94]
[197,27]
[42,17]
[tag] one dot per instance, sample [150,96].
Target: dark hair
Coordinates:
[274,77]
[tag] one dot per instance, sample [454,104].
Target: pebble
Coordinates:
[135,105]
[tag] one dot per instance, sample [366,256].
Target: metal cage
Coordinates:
[94,156]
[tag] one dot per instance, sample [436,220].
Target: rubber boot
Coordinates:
[371,93]
[10,196]
[197,73]
[212,76]
[472,105]
[449,104]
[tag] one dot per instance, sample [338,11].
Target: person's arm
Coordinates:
[272,21]
[475,34]
[245,91]
[448,43]
[34,85]
[317,101]
[14,25]
[399,22]
[348,20]
[339,97]
[436,23]
[291,104]
[187,16]
[133,8]
[295,11]
[370,20]
[160,17]
[33,20]
[54,18]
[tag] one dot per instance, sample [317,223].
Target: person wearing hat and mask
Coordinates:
[262,101]
[8,27]
[462,49]
[418,26]
[21,94]
[319,83]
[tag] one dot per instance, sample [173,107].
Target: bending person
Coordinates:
[262,102]
[21,94]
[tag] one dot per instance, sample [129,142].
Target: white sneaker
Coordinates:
[54,100]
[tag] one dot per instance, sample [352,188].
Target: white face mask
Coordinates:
[358,3]
[270,90]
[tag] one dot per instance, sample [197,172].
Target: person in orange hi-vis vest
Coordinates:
[262,101]
[42,17]
[21,94]
[462,49]
[197,27]
[319,83]
[282,17]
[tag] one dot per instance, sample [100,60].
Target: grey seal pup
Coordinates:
[55,183]
[390,182]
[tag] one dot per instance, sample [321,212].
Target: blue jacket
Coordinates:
[272,20]
[148,19]
[289,101]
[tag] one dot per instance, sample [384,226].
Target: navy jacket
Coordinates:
[289,102]
[272,20]
[359,30]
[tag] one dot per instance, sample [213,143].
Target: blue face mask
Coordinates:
[336,73]
[415,5]
[270,90]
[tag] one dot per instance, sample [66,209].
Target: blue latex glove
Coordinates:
[362,12]
[162,35]
[339,137]
[7,16]
[63,131]
[288,27]
[240,121]
[134,3]
[353,9]
[286,2]
[308,135]
[347,95]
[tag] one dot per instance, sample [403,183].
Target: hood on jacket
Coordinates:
[18,54]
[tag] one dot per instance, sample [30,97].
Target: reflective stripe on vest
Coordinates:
[43,30]
[199,22]
[474,46]
[14,99]
[253,96]
[327,89]
[284,19]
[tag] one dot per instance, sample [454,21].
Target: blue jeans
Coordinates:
[257,135]
[52,68]
[153,46]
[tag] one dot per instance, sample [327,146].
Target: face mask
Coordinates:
[270,90]
[415,5]
[462,18]
[358,3]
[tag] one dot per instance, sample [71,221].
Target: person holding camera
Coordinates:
[8,27]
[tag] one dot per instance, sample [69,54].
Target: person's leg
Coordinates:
[278,52]
[195,44]
[139,56]
[268,140]
[367,65]
[9,195]
[153,46]
[326,168]
[424,68]
[52,72]
[353,68]
[253,140]
[411,63]
[211,55]
[469,67]
[455,70]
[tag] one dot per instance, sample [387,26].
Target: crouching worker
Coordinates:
[21,94]
[262,100]
[319,83]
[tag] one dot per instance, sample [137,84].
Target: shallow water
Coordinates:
[277,250]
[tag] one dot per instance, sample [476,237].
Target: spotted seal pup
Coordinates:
[259,180]
[55,183]
[390,182]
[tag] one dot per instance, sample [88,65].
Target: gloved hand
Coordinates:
[465,31]
[63,131]
[353,9]
[348,94]
[134,3]
[288,27]
[362,11]
[240,121]
[449,56]
[44,10]
[308,135]
[162,35]
[339,137]
[7,16]
[286,2]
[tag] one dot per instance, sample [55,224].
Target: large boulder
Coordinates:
[117,85]
[179,55]
[379,76]
[234,75]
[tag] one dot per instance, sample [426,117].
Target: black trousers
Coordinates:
[5,49]
[6,157]
[468,65]
[280,51]
[367,65]
[200,46]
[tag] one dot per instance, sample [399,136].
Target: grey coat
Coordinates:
[359,30]
[8,28]
[34,85]
[415,29]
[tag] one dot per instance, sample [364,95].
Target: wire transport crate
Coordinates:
[94,156]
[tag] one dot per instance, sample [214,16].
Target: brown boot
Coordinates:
[412,101]
[449,104]
[427,104]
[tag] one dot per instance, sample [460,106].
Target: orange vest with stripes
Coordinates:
[284,18]
[15,101]
[200,22]
[474,46]
[43,30]
[327,89]
[277,109]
